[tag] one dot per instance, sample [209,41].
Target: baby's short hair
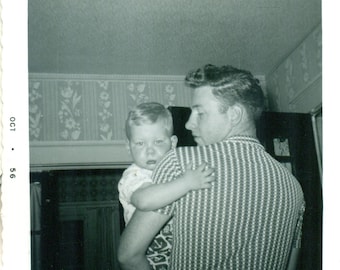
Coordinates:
[149,113]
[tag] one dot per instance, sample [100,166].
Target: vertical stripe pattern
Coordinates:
[247,220]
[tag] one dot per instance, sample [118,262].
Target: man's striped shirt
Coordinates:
[248,219]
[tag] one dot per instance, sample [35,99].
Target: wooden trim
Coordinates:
[78,155]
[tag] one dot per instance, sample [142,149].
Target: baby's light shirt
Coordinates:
[132,179]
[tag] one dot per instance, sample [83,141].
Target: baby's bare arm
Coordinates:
[154,196]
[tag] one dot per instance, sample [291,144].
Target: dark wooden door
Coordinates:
[277,131]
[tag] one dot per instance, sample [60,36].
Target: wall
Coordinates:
[296,84]
[79,119]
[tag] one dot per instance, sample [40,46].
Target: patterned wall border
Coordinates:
[82,107]
[298,77]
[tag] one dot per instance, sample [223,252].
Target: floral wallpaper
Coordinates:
[69,111]
[35,111]
[70,107]
[296,84]
[104,111]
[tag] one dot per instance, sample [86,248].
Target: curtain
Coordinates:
[35,192]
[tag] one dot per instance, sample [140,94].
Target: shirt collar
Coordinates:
[243,138]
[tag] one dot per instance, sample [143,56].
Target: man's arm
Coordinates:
[136,238]
[293,259]
[295,251]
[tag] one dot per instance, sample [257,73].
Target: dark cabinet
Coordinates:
[80,220]
[289,138]
[88,235]
[180,116]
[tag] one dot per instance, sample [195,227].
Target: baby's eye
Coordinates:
[139,143]
[158,141]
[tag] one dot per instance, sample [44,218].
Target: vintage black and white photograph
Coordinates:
[175,134]
[99,184]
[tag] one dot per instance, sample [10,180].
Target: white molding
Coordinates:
[76,143]
[78,155]
[111,77]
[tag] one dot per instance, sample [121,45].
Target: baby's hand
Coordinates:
[199,178]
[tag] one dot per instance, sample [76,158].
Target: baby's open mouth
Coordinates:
[151,162]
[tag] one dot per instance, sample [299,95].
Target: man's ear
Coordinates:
[236,113]
[174,141]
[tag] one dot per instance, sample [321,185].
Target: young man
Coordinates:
[251,217]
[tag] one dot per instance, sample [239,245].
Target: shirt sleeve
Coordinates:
[298,228]
[131,180]
[167,170]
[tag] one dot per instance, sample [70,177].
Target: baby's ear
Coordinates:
[127,145]
[174,141]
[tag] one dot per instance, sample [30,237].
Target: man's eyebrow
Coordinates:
[195,106]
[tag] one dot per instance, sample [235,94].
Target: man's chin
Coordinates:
[198,140]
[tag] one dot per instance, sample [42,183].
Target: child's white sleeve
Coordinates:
[132,179]
[130,182]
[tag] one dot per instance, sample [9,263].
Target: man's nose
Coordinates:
[190,124]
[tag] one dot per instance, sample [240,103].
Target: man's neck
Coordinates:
[246,129]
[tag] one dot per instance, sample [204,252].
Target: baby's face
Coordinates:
[149,143]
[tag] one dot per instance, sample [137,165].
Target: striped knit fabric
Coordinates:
[250,217]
